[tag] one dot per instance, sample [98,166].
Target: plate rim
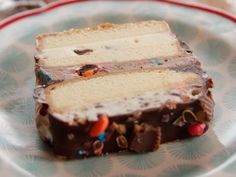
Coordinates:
[59,5]
[22,15]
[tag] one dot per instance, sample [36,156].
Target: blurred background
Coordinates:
[10,7]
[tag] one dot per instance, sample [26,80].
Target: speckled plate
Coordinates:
[213,39]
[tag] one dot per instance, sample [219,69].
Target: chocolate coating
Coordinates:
[69,140]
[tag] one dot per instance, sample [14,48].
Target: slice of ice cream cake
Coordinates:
[113,88]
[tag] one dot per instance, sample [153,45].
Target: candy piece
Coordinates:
[189,116]
[145,138]
[88,73]
[88,70]
[100,126]
[98,147]
[102,137]
[122,142]
[196,129]
[120,128]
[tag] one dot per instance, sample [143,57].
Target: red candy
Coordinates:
[196,129]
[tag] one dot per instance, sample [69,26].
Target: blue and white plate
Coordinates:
[213,39]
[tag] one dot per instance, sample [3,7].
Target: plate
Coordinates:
[213,38]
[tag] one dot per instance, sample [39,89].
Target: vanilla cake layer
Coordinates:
[78,95]
[101,32]
[114,50]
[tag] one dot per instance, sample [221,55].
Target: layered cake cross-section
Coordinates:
[110,48]
[115,88]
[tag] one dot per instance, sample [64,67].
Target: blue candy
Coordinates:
[102,137]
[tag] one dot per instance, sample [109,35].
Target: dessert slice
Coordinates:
[124,111]
[109,48]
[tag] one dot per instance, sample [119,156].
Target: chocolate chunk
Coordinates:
[145,138]
[122,142]
[82,52]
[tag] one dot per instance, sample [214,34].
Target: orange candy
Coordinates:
[88,73]
[100,126]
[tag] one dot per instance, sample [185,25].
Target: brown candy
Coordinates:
[120,128]
[201,116]
[189,116]
[145,138]
[122,142]
[138,128]
[98,147]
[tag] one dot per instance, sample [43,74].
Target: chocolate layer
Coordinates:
[137,132]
